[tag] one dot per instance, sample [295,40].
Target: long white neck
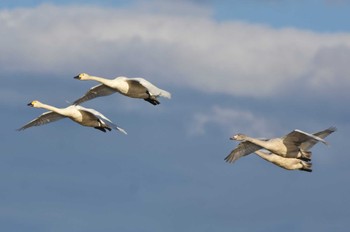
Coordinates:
[99,79]
[52,108]
[257,142]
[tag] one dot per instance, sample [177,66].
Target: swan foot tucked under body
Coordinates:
[152,100]
[305,155]
[307,167]
[103,128]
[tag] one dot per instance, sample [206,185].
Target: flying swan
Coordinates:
[79,114]
[131,87]
[286,163]
[296,144]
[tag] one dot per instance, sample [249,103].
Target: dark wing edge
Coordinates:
[321,134]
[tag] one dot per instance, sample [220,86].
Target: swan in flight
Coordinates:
[296,144]
[131,87]
[79,114]
[286,163]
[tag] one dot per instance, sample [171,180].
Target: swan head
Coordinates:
[34,103]
[82,76]
[238,137]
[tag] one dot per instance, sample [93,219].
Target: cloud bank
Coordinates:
[183,48]
[229,120]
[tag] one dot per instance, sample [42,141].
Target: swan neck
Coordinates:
[99,79]
[51,108]
[256,141]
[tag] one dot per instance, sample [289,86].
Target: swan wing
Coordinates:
[96,91]
[45,118]
[152,89]
[243,149]
[321,134]
[103,118]
[298,137]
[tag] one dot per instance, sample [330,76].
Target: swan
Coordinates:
[131,87]
[286,163]
[296,144]
[79,114]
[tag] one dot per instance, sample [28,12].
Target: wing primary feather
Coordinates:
[94,92]
[45,118]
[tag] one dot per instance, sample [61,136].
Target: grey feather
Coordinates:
[243,149]
[96,91]
[45,118]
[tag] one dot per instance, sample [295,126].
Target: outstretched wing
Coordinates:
[96,91]
[243,149]
[321,134]
[103,118]
[45,118]
[152,89]
[297,137]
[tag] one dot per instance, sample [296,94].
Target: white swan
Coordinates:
[79,114]
[294,145]
[286,163]
[131,87]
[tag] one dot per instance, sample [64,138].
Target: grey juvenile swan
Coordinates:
[79,114]
[296,144]
[286,163]
[131,87]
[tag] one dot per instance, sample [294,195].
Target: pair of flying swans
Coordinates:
[290,152]
[130,87]
[83,116]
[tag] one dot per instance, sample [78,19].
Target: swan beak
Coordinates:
[231,138]
[30,104]
[77,77]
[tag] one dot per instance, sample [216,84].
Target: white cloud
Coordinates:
[230,121]
[176,48]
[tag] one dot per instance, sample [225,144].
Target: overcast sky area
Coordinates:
[262,68]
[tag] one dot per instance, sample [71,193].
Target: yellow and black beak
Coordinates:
[77,77]
[30,104]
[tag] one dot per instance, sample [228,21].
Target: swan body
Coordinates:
[83,116]
[131,87]
[286,163]
[296,144]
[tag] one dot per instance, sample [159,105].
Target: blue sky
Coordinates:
[262,68]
